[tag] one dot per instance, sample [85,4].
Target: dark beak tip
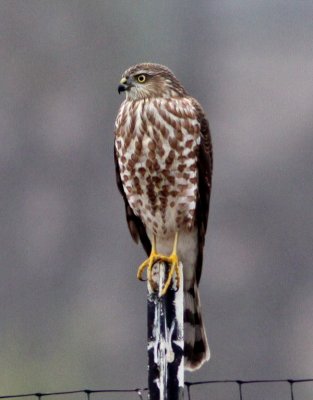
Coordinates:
[121,88]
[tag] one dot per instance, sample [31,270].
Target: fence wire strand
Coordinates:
[139,391]
[241,383]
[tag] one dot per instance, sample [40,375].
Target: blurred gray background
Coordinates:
[72,314]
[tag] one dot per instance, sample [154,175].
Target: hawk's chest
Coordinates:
[157,143]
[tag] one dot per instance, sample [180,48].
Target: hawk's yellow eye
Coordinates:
[141,78]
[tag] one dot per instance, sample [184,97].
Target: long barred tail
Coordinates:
[196,344]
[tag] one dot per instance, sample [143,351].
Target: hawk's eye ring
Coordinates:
[141,78]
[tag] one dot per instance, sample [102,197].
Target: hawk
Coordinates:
[163,158]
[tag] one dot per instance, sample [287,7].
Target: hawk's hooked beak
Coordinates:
[124,85]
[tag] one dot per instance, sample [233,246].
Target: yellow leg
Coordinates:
[148,263]
[154,257]
[173,261]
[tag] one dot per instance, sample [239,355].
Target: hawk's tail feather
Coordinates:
[196,345]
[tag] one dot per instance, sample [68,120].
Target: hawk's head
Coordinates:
[150,80]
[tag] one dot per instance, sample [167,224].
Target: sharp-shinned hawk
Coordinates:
[163,157]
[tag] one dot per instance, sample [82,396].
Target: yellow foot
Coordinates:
[154,257]
[172,261]
[148,263]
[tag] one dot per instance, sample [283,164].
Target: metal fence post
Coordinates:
[165,338]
